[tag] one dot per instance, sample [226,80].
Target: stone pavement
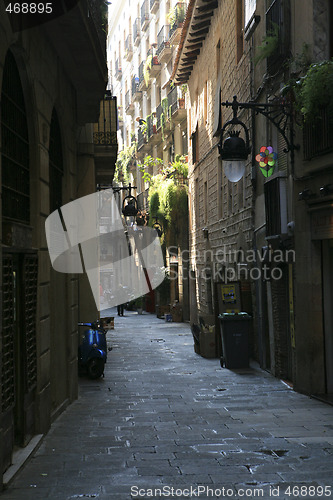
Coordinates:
[164,417]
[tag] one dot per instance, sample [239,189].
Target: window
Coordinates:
[239,29]
[218,57]
[56,164]
[195,146]
[15,146]
[205,103]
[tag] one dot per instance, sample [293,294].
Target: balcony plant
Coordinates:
[314,91]
[270,44]
[147,68]
[125,159]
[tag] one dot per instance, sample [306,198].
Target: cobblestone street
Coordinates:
[164,416]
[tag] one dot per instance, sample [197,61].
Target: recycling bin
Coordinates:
[235,339]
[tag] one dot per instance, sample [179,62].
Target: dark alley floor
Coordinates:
[164,417]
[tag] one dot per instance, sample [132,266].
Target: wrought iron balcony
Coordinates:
[141,139]
[118,69]
[173,99]
[136,31]
[144,14]
[141,75]
[317,137]
[159,112]
[178,17]
[154,5]
[105,130]
[128,47]
[278,18]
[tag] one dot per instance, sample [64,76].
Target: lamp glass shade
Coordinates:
[234,169]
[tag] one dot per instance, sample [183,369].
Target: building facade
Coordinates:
[52,82]
[271,231]
[143,40]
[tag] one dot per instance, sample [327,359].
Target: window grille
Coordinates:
[15,146]
[8,326]
[56,164]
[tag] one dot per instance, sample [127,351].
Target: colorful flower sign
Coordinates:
[267,160]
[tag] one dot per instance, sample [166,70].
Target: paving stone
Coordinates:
[164,416]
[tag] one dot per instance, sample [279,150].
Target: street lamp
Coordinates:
[234,150]
[157,226]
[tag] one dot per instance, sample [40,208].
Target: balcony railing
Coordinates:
[136,30]
[144,14]
[105,130]
[277,22]
[141,76]
[173,99]
[178,17]
[154,5]
[317,137]
[141,139]
[159,111]
[135,85]
[127,99]
[162,38]
[118,69]
[128,46]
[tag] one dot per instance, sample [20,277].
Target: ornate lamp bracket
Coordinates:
[279,113]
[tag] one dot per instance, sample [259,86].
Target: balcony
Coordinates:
[142,84]
[152,129]
[278,16]
[176,105]
[142,140]
[80,43]
[317,137]
[163,51]
[136,31]
[176,19]
[155,67]
[118,70]
[105,140]
[128,48]
[144,15]
[159,112]
[136,94]
[154,6]
[129,104]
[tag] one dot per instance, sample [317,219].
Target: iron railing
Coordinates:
[127,99]
[141,138]
[162,38]
[159,112]
[152,3]
[179,12]
[317,136]
[136,29]
[105,131]
[173,99]
[277,23]
[128,44]
[135,85]
[144,13]
[118,68]
[141,75]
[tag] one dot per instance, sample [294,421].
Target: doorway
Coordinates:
[328,312]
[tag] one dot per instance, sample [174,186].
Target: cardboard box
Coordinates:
[208,342]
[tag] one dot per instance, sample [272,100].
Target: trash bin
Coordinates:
[235,339]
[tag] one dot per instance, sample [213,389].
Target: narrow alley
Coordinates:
[164,417]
